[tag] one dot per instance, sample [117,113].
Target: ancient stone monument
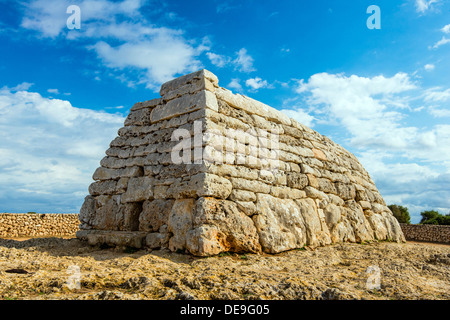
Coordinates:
[204,170]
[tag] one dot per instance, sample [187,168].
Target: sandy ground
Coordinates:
[58,268]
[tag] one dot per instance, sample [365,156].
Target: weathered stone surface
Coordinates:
[229,229]
[201,185]
[296,180]
[179,82]
[155,213]
[205,171]
[184,104]
[112,174]
[180,222]
[139,189]
[280,224]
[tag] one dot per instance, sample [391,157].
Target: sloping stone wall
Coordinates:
[33,225]
[426,232]
[204,170]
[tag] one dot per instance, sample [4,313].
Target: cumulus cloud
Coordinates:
[162,56]
[218,60]
[429,67]
[366,107]
[235,84]
[49,17]
[437,95]
[441,42]
[408,162]
[446,29]
[120,37]
[244,62]
[49,150]
[256,83]
[424,5]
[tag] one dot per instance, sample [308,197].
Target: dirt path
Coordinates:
[341,271]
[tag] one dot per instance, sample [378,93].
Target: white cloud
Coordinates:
[218,60]
[415,185]
[24,86]
[423,5]
[446,29]
[366,107]
[437,95]
[439,112]
[121,37]
[374,114]
[161,56]
[50,18]
[244,62]
[429,67]
[256,83]
[300,115]
[54,91]
[49,150]
[441,42]
[409,163]
[235,84]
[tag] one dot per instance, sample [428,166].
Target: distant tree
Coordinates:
[434,217]
[444,220]
[401,213]
[429,217]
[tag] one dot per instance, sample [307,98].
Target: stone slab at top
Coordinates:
[178,82]
[189,84]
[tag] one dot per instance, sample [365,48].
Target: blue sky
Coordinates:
[384,94]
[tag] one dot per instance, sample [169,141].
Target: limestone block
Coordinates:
[332,215]
[184,104]
[112,174]
[206,240]
[361,227]
[345,191]
[201,185]
[103,187]
[190,88]
[179,82]
[146,104]
[139,117]
[87,211]
[156,240]
[111,214]
[155,214]
[248,207]
[242,195]
[296,180]
[317,233]
[326,186]
[237,231]
[180,222]
[250,185]
[279,223]
[139,189]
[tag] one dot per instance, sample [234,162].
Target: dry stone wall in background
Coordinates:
[13,225]
[426,232]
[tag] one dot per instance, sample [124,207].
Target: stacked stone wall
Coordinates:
[13,225]
[426,232]
[204,170]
